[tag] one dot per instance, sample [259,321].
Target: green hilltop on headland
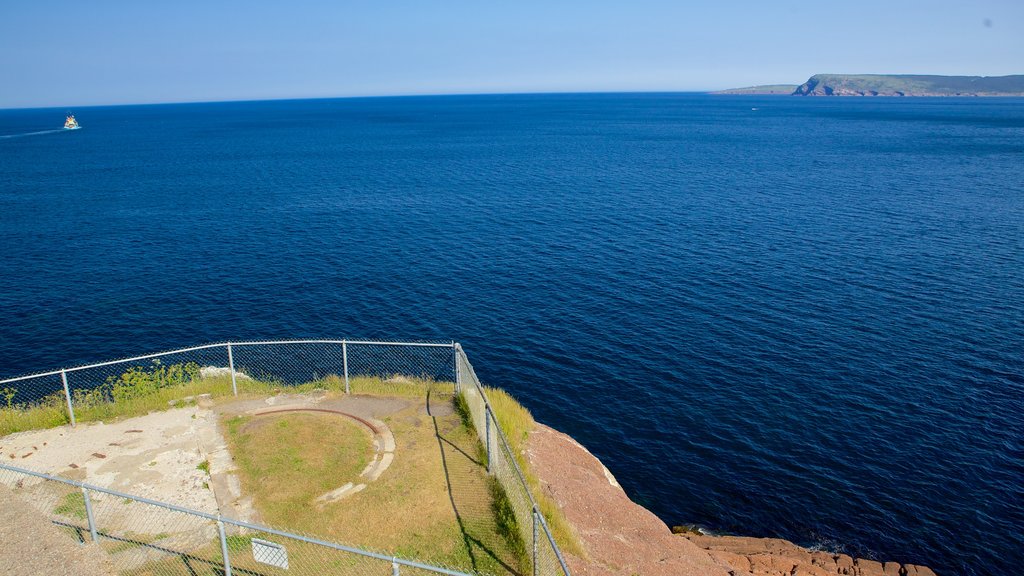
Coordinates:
[894,85]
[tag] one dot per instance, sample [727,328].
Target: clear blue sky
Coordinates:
[55,53]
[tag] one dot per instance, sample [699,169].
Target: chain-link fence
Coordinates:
[145,537]
[514,498]
[141,383]
[155,538]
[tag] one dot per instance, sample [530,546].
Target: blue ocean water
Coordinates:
[803,321]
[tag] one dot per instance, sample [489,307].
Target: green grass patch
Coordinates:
[204,466]
[505,519]
[288,460]
[72,505]
[237,543]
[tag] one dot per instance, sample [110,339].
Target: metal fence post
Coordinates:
[394,567]
[231,366]
[344,361]
[89,516]
[487,436]
[456,349]
[224,548]
[535,513]
[67,395]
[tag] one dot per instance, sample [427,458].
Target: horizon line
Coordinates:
[356,97]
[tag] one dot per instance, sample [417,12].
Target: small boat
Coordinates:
[70,123]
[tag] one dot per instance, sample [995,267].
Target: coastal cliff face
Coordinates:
[620,537]
[910,85]
[892,85]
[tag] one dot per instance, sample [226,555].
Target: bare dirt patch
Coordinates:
[34,546]
[154,456]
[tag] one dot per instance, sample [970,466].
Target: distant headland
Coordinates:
[893,85]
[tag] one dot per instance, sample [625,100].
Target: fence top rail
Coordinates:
[218,518]
[112,362]
[551,539]
[449,344]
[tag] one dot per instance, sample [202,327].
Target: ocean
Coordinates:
[769,316]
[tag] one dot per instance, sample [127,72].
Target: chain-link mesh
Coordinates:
[472,394]
[516,495]
[287,364]
[514,504]
[32,402]
[406,570]
[142,538]
[137,386]
[391,360]
[62,503]
[148,539]
[269,554]
[547,557]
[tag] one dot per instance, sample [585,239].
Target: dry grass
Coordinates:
[433,503]
[287,460]
[398,386]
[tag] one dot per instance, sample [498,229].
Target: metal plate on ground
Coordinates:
[269,553]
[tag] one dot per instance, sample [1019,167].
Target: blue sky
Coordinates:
[56,53]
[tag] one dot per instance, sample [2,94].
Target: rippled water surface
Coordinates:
[804,320]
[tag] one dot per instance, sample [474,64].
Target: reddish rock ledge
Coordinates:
[622,538]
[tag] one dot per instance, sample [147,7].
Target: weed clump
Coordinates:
[505,520]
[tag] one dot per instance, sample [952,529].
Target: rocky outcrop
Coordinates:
[620,537]
[775,557]
[815,86]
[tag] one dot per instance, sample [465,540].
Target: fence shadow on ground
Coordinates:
[473,535]
[189,561]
